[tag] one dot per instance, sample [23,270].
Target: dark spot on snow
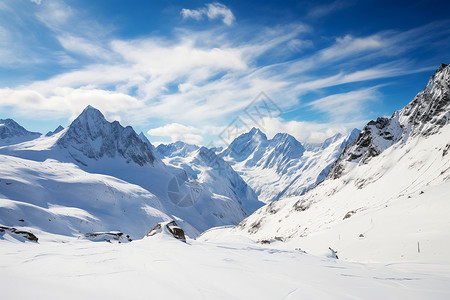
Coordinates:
[361,235]
[349,214]
[21,220]
[279,238]
[301,205]
[446,150]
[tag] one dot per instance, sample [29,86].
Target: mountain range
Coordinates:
[377,194]
[97,175]
[282,166]
[386,198]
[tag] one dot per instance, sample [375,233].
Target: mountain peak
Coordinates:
[11,133]
[441,67]
[91,112]
[91,136]
[257,132]
[178,148]
[58,129]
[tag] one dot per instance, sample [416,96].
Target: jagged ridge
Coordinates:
[94,137]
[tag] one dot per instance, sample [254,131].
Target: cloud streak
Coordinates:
[212,11]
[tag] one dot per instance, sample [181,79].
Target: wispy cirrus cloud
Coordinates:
[211,11]
[345,106]
[326,9]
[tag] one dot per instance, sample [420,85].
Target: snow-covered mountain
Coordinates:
[387,196]
[282,166]
[203,165]
[97,175]
[58,129]
[176,149]
[91,136]
[13,133]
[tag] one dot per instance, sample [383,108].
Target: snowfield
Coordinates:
[162,267]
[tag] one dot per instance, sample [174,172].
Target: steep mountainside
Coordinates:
[386,197]
[424,116]
[282,166]
[216,175]
[13,133]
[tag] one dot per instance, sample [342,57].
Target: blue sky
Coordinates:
[185,70]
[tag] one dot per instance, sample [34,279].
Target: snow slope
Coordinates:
[161,267]
[86,168]
[283,167]
[387,197]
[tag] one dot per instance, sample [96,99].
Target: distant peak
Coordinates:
[91,112]
[257,132]
[441,68]
[90,109]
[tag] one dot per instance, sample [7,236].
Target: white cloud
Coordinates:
[82,46]
[192,13]
[298,45]
[67,102]
[345,106]
[36,1]
[212,11]
[178,132]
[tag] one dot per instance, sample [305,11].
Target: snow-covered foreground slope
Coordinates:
[283,167]
[387,198]
[160,267]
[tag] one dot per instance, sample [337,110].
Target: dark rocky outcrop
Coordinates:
[108,236]
[172,227]
[25,234]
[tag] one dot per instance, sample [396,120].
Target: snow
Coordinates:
[282,167]
[161,267]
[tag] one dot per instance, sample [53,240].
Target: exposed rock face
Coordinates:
[425,115]
[91,136]
[12,133]
[109,237]
[25,234]
[171,227]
